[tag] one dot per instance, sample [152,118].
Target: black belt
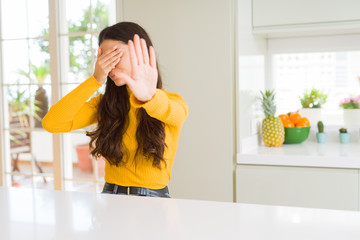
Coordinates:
[134,190]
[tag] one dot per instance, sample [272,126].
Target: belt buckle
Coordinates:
[115,189]
[144,191]
[128,190]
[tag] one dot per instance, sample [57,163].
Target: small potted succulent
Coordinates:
[351,110]
[344,136]
[312,102]
[321,136]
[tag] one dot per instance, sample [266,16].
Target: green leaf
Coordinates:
[313,98]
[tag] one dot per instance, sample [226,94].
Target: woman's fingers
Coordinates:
[133,57]
[110,51]
[152,57]
[145,51]
[113,58]
[105,62]
[106,56]
[111,66]
[138,50]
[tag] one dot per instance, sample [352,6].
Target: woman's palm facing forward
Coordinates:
[143,79]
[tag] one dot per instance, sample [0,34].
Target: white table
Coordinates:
[43,214]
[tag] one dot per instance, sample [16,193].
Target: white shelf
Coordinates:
[307,154]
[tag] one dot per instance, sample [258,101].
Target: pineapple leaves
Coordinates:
[268,102]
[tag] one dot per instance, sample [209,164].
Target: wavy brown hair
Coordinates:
[107,138]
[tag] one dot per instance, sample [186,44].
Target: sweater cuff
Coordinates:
[158,103]
[93,82]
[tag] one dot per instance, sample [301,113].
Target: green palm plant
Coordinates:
[38,74]
[20,108]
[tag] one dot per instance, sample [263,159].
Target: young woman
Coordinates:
[138,122]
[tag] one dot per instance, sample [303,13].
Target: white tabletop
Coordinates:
[43,214]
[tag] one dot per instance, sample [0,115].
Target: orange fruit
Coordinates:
[284,117]
[301,124]
[295,117]
[304,121]
[288,124]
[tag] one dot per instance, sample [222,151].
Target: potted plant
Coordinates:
[38,74]
[351,110]
[19,113]
[321,136]
[311,103]
[344,136]
[85,162]
[20,108]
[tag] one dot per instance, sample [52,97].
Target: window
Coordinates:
[302,64]
[335,73]
[26,86]
[79,41]
[26,91]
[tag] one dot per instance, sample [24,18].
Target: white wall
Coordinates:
[252,54]
[42,146]
[195,49]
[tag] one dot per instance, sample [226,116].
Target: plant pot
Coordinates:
[101,166]
[84,159]
[351,117]
[344,138]
[313,114]
[321,137]
[43,104]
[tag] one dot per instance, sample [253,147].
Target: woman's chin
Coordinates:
[119,82]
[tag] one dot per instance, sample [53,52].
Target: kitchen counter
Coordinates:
[306,154]
[45,214]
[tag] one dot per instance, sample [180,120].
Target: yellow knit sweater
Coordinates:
[74,111]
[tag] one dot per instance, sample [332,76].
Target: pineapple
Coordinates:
[273,133]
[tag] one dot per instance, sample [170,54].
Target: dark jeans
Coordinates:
[146,192]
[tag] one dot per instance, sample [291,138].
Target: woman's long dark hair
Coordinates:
[107,138]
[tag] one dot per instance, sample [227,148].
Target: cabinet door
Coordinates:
[285,12]
[298,186]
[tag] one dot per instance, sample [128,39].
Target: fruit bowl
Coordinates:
[296,134]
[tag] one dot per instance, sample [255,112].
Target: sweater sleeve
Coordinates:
[169,108]
[73,111]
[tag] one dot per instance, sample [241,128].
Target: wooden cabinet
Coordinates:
[329,188]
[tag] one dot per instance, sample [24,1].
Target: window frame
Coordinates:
[57,22]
